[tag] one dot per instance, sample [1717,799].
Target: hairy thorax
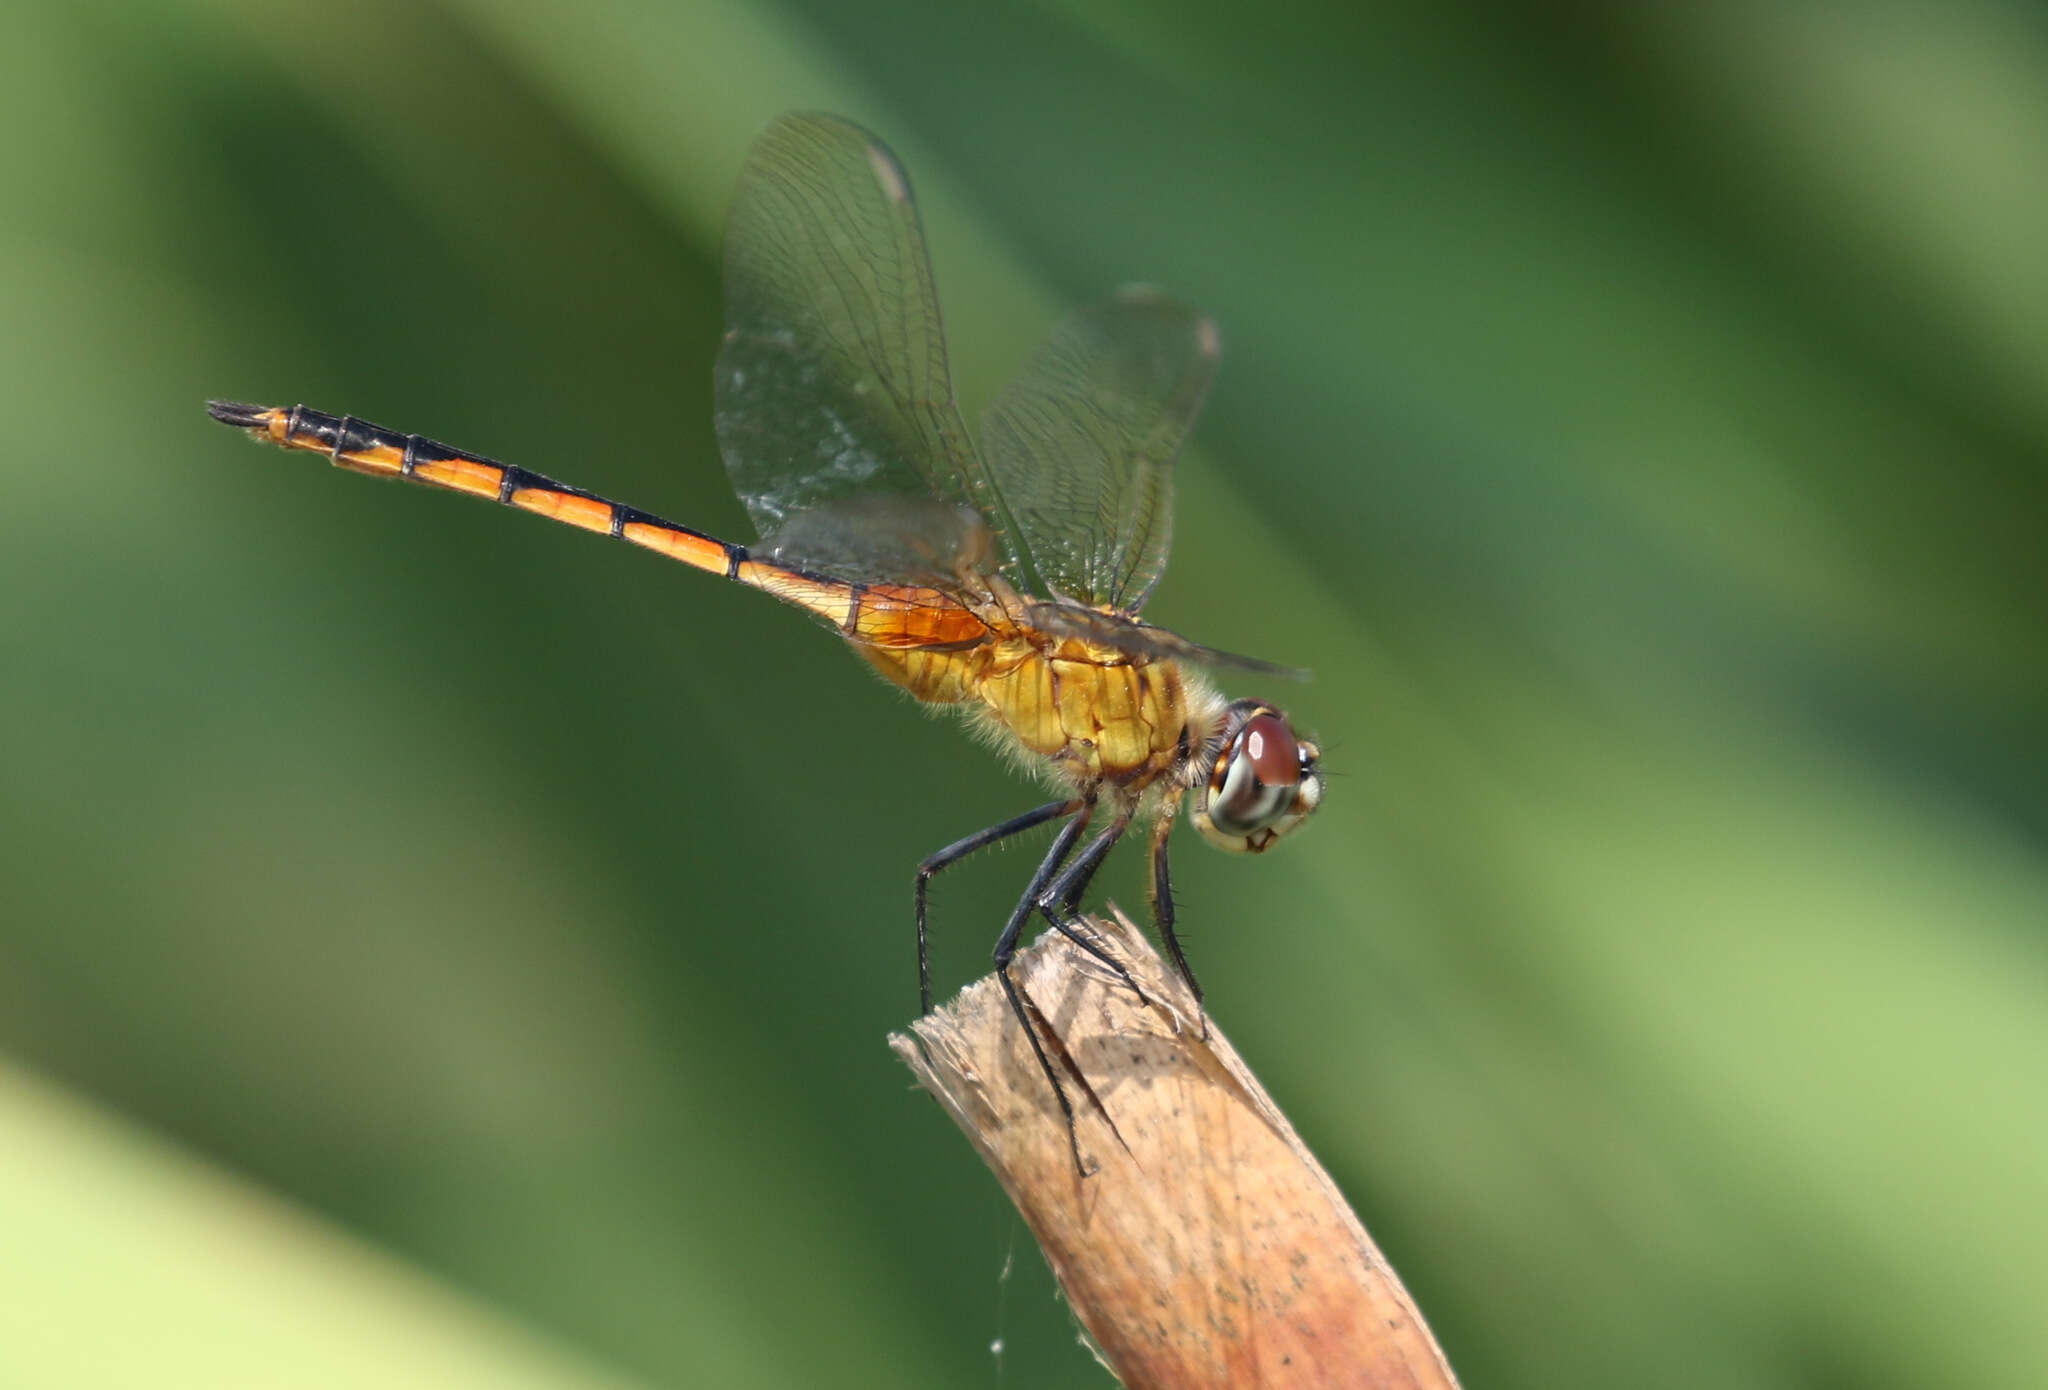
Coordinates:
[1093,713]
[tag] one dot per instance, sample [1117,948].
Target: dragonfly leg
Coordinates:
[953,854]
[1162,907]
[1071,899]
[1056,899]
[1006,951]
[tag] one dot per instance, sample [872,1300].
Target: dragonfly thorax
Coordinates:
[1085,714]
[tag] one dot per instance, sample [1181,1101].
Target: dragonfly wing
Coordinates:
[916,540]
[1081,445]
[1126,634]
[832,382]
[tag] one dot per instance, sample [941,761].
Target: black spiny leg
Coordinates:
[1162,908]
[953,854]
[1057,899]
[1071,899]
[1006,950]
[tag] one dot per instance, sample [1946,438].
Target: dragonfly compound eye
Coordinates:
[1262,783]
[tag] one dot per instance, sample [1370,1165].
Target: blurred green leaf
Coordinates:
[1633,415]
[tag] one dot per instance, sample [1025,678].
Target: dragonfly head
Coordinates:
[1262,780]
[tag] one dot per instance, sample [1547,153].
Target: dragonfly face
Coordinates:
[1002,574]
[1263,781]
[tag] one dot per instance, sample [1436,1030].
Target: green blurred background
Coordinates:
[440,948]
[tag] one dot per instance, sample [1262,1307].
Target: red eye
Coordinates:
[1262,781]
[1271,748]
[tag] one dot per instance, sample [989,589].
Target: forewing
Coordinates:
[1081,445]
[1134,638]
[879,535]
[832,381]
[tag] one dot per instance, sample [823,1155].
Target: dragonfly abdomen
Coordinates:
[882,615]
[362,447]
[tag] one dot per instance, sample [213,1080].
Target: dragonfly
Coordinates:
[1003,576]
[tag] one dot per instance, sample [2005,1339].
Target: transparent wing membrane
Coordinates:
[1081,445]
[836,418]
[1126,634]
[885,535]
[832,382]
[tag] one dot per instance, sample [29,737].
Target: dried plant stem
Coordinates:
[1209,1248]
